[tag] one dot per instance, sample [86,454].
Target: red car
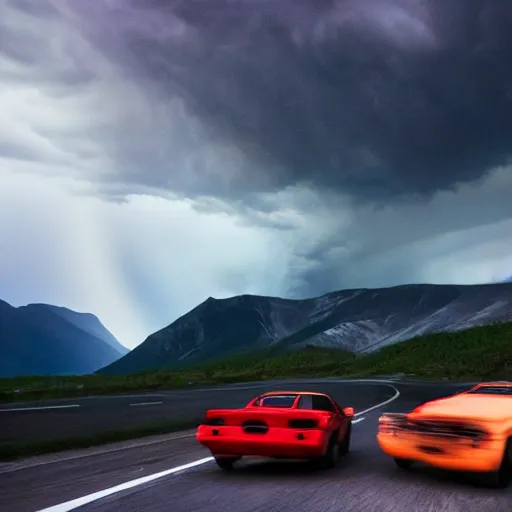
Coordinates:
[285,424]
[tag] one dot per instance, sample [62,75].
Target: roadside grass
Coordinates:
[479,353]
[11,450]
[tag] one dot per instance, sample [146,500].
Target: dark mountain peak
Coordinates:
[61,309]
[216,326]
[211,310]
[358,320]
[5,305]
[239,299]
[228,305]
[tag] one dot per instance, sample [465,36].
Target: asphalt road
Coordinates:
[77,417]
[365,481]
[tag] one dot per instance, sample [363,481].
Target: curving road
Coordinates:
[56,419]
[365,481]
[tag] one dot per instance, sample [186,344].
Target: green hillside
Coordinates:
[480,353]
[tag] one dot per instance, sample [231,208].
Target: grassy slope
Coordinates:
[477,353]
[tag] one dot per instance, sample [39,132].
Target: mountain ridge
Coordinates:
[358,320]
[88,322]
[42,339]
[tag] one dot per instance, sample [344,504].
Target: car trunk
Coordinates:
[267,417]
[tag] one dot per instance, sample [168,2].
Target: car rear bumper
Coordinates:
[276,442]
[457,455]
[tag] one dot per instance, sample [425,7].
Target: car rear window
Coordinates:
[276,401]
[492,390]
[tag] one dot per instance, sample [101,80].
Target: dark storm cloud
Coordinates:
[370,97]
[174,134]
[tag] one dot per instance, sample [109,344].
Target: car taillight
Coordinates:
[303,423]
[214,422]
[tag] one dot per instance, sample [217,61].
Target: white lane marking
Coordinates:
[382,404]
[117,397]
[146,403]
[80,502]
[138,443]
[275,383]
[291,383]
[106,397]
[40,408]
[264,384]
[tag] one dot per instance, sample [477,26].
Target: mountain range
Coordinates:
[40,339]
[358,320]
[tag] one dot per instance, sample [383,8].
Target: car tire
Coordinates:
[225,463]
[501,478]
[345,444]
[403,463]
[331,457]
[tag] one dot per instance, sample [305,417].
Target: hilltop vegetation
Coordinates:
[479,353]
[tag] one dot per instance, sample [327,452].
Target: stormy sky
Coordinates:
[156,153]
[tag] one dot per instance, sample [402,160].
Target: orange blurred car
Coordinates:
[469,431]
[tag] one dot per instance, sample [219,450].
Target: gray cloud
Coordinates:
[366,245]
[177,150]
[374,98]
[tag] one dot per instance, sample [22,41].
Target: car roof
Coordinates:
[280,393]
[494,383]
[504,383]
